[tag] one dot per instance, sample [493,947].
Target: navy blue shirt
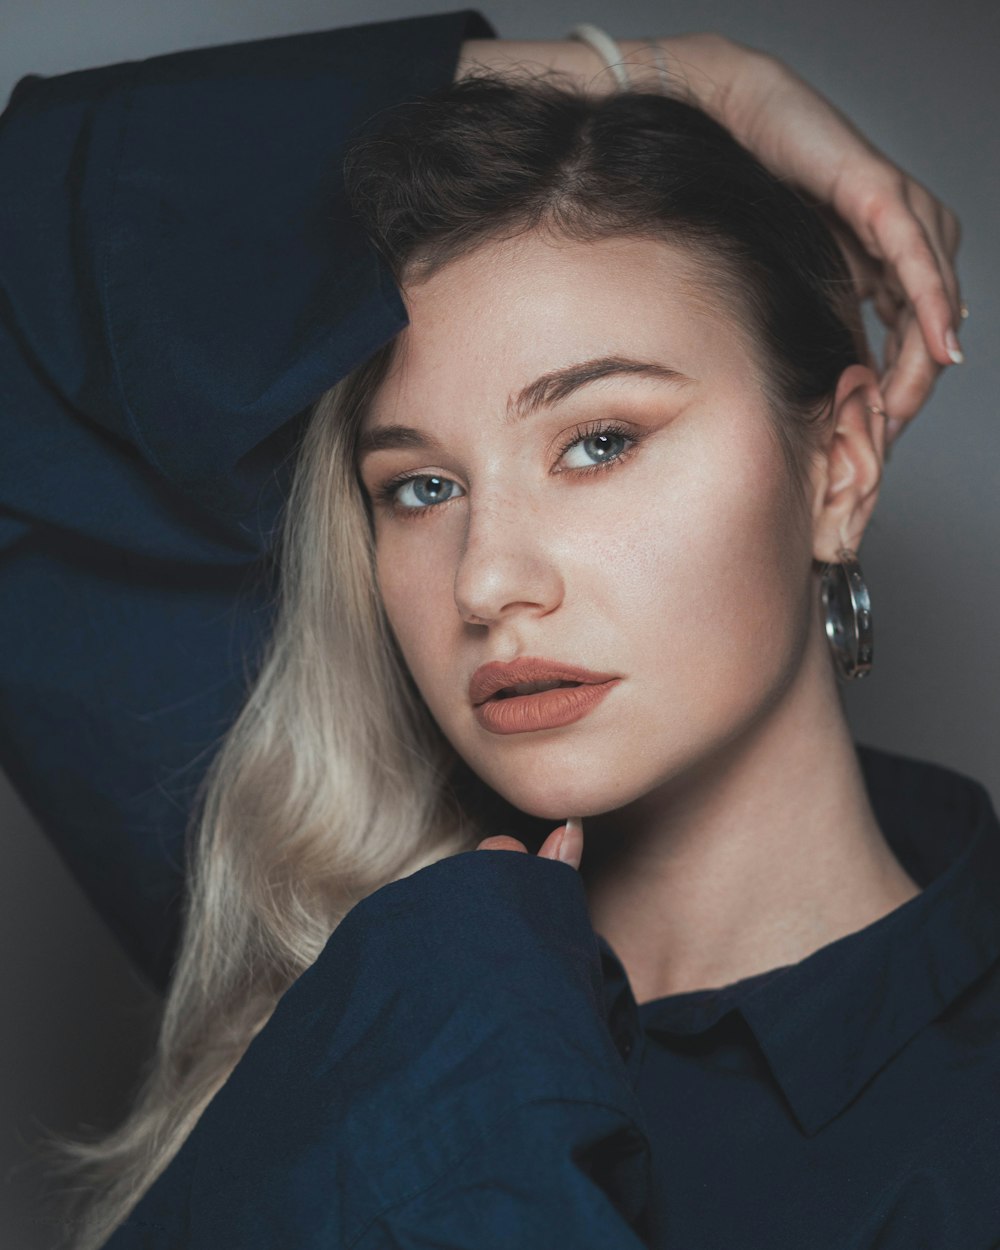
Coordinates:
[465,1064]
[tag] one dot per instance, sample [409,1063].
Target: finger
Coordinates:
[550,847]
[902,242]
[888,303]
[501,842]
[932,215]
[942,226]
[947,237]
[865,271]
[951,230]
[912,375]
[890,353]
[860,265]
[565,843]
[571,850]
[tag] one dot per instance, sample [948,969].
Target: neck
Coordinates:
[752,860]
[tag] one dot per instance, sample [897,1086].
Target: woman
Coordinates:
[628,442]
[202,309]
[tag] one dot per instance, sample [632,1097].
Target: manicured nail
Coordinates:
[573,823]
[954,350]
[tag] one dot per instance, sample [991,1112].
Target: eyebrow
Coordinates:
[544,392]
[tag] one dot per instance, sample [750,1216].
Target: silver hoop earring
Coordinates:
[847,614]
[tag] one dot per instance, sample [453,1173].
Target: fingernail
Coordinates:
[565,851]
[954,350]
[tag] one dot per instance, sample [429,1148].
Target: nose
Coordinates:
[508,562]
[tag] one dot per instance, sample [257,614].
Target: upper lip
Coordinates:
[490,678]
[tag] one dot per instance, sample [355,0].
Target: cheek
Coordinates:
[732,582]
[706,582]
[416,584]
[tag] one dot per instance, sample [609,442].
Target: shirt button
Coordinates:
[625,1046]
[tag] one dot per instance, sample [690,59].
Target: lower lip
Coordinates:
[550,709]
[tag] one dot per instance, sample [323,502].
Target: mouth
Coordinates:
[554,705]
[531,687]
[528,676]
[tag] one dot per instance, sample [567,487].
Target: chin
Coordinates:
[556,798]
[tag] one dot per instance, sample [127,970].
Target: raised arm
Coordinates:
[444,1074]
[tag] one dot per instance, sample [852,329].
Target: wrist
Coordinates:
[719,75]
[512,56]
[578,60]
[703,67]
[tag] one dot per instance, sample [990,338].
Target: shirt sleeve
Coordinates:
[180,279]
[442,1075]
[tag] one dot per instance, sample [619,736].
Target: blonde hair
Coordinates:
[333,781]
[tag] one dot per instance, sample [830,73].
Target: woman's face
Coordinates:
[640,524]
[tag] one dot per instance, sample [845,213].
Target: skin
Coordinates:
[728,826]
[899,240]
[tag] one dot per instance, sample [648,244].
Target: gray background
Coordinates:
[920,78]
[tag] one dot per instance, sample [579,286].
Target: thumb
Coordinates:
[565,843]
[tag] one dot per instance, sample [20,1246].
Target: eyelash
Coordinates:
[384,496]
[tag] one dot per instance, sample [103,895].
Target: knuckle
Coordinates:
[501,842]
[884,192]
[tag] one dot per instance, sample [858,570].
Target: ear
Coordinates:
[849,469]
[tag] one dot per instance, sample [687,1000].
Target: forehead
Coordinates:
[487,323]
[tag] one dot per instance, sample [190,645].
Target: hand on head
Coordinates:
[900,241]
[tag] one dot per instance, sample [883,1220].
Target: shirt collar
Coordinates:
[827,1024]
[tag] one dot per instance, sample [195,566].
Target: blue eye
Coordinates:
[423,491]
[604,446]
